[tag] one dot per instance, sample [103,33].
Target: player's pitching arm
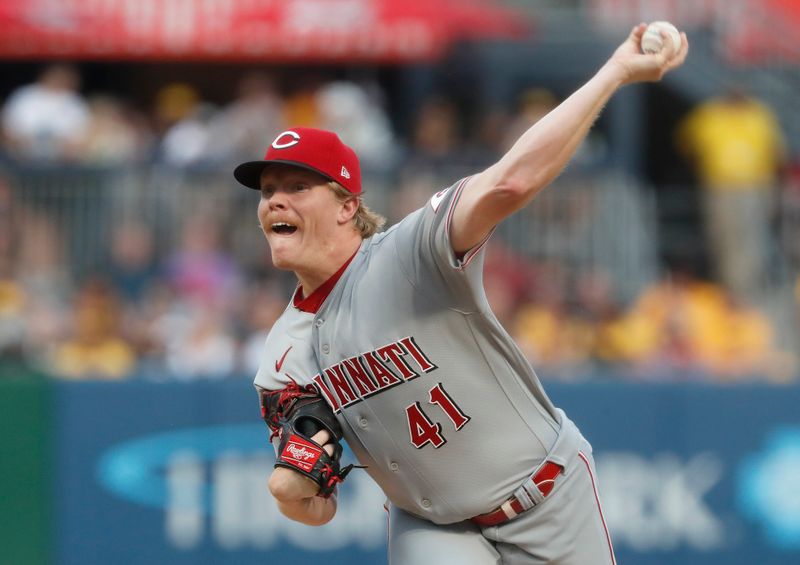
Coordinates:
[296,495]
[543,151]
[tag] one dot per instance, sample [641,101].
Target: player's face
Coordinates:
[298,213]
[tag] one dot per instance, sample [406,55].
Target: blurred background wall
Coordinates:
[655,286]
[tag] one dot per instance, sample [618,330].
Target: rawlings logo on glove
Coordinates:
[301,453]
[294,414]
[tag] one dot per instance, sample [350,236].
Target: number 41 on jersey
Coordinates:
[422,430]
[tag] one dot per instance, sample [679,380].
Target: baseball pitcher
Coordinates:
[390,345]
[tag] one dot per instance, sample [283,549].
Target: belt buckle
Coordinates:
[545,479]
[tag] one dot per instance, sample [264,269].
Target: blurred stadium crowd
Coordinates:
[89,292]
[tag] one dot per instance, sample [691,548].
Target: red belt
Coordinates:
[544,481]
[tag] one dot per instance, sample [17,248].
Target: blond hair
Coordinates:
[365,221]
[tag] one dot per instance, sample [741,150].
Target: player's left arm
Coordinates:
[308,451]
[297,496]
[542,152]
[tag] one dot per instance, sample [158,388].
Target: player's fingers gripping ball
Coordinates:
[295,414]
[653,42]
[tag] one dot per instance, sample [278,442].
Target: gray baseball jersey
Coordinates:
[433,395]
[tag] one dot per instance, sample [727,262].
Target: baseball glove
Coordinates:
[294,414]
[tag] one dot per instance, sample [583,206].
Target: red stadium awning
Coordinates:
[250,30]
[747,32]
[765,33]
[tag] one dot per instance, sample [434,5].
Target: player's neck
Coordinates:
[315,275]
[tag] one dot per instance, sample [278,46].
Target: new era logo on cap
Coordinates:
[315,149]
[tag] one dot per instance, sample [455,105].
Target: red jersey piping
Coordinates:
[312,303]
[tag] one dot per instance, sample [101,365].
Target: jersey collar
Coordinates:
[312,303]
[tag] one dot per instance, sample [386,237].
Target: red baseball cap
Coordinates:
[314,149]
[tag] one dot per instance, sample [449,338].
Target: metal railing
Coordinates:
[590,222]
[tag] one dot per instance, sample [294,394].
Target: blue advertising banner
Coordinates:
[169,473]
[176,473]
[695,474]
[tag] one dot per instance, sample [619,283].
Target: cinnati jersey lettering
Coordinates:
[352,380]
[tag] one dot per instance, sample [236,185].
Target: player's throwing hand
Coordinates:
[647,67]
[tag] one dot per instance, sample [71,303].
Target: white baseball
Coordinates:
[652,42]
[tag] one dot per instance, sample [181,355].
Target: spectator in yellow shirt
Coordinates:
[97,350]
[737,148]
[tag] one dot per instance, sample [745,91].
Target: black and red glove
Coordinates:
[295,414]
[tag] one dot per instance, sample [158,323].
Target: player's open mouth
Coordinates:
[282,228]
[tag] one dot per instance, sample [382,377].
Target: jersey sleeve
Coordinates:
[270,380]
[426,256]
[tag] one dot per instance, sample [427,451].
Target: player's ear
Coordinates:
[347,210]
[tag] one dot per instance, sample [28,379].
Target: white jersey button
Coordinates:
[394,466]
[319,322]
[362,422]
[426,503]
[326,348]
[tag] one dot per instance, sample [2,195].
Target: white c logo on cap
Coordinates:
[294,141]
